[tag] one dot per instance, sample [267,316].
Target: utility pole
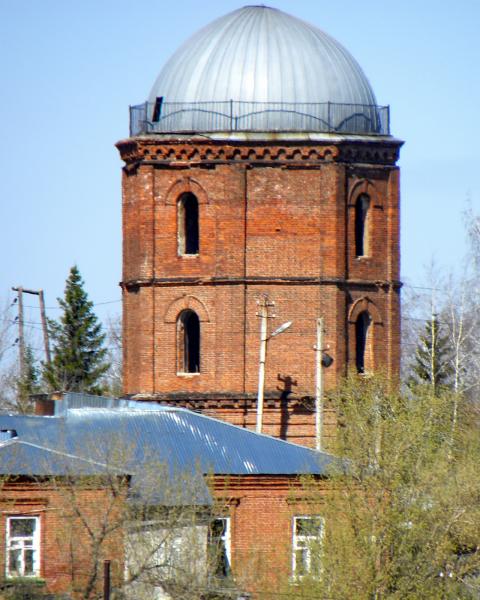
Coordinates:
[319,385]
[322,359]
[43,316]
[263,306]
[21,338]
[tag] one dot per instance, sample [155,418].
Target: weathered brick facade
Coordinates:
[67,561]
[276,218]
[260,508]
[262,511]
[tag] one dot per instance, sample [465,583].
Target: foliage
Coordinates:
[22,588]
[16,389]
[454,297]
[403,514]
[433,356]
[28,383]
[79,355]
[112,380]
[155,519]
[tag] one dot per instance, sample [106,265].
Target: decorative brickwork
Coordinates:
[276,219]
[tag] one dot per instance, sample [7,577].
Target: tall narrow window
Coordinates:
[361,225]
[306,546]
[362,340]
[188,236]
[23,547]
[188,342]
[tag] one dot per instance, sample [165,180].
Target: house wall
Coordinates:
[66,550]
[261,509]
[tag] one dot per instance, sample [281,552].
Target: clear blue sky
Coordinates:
[70,69]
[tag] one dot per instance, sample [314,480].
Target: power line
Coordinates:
[94,304]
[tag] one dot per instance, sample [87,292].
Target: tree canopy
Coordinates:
[403,514]
[79,356]
[433,356]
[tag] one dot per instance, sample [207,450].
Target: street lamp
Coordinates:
[263,355]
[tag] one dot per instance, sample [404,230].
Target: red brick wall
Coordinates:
[66,560]
[273,220]
[261,509]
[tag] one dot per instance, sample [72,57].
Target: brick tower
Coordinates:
[260,177]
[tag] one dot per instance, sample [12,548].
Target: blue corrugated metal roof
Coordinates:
[24,458]
[177,436]
[168,443]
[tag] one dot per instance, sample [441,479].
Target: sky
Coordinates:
[69,70]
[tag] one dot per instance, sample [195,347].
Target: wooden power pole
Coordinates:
[21,338]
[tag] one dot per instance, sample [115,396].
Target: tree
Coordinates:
[454,297]
[402,514]
[15,387]
[113,377]
[79,356]
[152,522]
[27,383]
[433,356]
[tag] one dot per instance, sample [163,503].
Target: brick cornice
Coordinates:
[223,400]
[208,281]
[197,152]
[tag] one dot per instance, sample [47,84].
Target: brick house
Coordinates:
[193,483]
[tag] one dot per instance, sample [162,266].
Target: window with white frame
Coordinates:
[23,546]
[307,538]
[219,545]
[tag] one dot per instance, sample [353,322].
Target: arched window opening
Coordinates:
[361,225]
[363,341]
[188,237]
[188,342]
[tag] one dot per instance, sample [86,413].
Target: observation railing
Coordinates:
[232,115]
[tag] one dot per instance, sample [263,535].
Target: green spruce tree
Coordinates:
[433,357]
[79,356]
[27,383]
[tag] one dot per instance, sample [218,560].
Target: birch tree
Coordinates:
[402,517]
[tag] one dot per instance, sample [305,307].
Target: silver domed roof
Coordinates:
[259,69]
[261,54]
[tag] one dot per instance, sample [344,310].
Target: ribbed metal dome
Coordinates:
[258,69]
[260,54]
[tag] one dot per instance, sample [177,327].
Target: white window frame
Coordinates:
[24,543]
[225,539]
[304,543]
